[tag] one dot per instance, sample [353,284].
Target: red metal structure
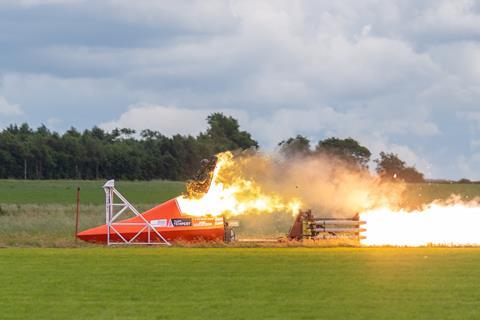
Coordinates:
[162,224]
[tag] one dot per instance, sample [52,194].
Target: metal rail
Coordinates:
[343,230]
[307,226]
[339,222]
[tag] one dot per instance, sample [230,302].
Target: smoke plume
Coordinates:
[325,184]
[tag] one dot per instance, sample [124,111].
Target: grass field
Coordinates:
[284,283]
[41,213]
[157,191]
[64,191]
[93,282]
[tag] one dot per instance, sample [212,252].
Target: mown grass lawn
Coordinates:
[64,191]
[42,213]
[240,283]
[157,191]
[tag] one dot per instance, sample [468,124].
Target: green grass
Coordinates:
[184,283]
[53,225]
[64,191]
[41,213]
[157,191]
[216,283]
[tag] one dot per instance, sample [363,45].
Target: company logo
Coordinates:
[182,222]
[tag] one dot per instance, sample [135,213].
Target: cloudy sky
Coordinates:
[400,76]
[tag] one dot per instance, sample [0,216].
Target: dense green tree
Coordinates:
[121,153]
[348,150]
[411,174]
[390,166]
[225,134]
[298,146]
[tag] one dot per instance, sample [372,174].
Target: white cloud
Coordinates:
[168,120]
[196,15]
[270,130]
[53,122]
[325,120]
[453,19]
[322,122]
[9,109]
[32,3]
[397,75]
[475,144]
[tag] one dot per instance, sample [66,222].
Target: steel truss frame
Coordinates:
[112,216]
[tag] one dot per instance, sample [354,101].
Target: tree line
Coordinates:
[352,154]
[121,153]
[27,153]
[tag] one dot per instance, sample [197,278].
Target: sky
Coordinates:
[398,76]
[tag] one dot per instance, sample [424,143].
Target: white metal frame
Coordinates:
[112,216]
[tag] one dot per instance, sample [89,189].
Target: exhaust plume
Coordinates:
[252,182]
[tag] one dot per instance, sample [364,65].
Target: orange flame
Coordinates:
[233,195]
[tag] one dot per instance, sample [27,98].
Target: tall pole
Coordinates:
[77,213]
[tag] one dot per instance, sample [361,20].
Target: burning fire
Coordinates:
[454,223]
[231,194]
